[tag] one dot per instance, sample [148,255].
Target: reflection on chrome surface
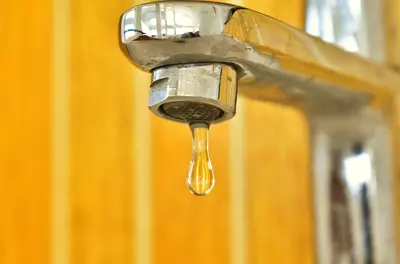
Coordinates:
[355,25]
[166,20]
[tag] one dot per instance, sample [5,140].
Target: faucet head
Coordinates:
[194,93]
[181,44]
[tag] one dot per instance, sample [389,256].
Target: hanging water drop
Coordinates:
[200,178]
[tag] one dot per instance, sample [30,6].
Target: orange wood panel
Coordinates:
[279,184]
[279,193]
[101,136]
[25,81]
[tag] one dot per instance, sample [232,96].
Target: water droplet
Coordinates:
[201,175]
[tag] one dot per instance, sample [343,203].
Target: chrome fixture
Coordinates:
[194,92]
[199,52]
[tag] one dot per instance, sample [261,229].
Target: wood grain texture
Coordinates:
[101,159]
[25,81]
[279,184]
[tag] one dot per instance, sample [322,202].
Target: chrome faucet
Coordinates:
[200,52]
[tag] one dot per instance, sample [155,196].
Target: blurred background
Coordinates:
[89,175]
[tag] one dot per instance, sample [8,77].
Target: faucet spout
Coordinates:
[265,52]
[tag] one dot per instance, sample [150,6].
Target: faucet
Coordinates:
[199,53]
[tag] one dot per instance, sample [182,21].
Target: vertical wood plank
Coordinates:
[60,247]
[142,161]
[279,185]
[25,81]
[101,180]
[238,182]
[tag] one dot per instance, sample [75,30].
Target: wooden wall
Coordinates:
[89,175]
